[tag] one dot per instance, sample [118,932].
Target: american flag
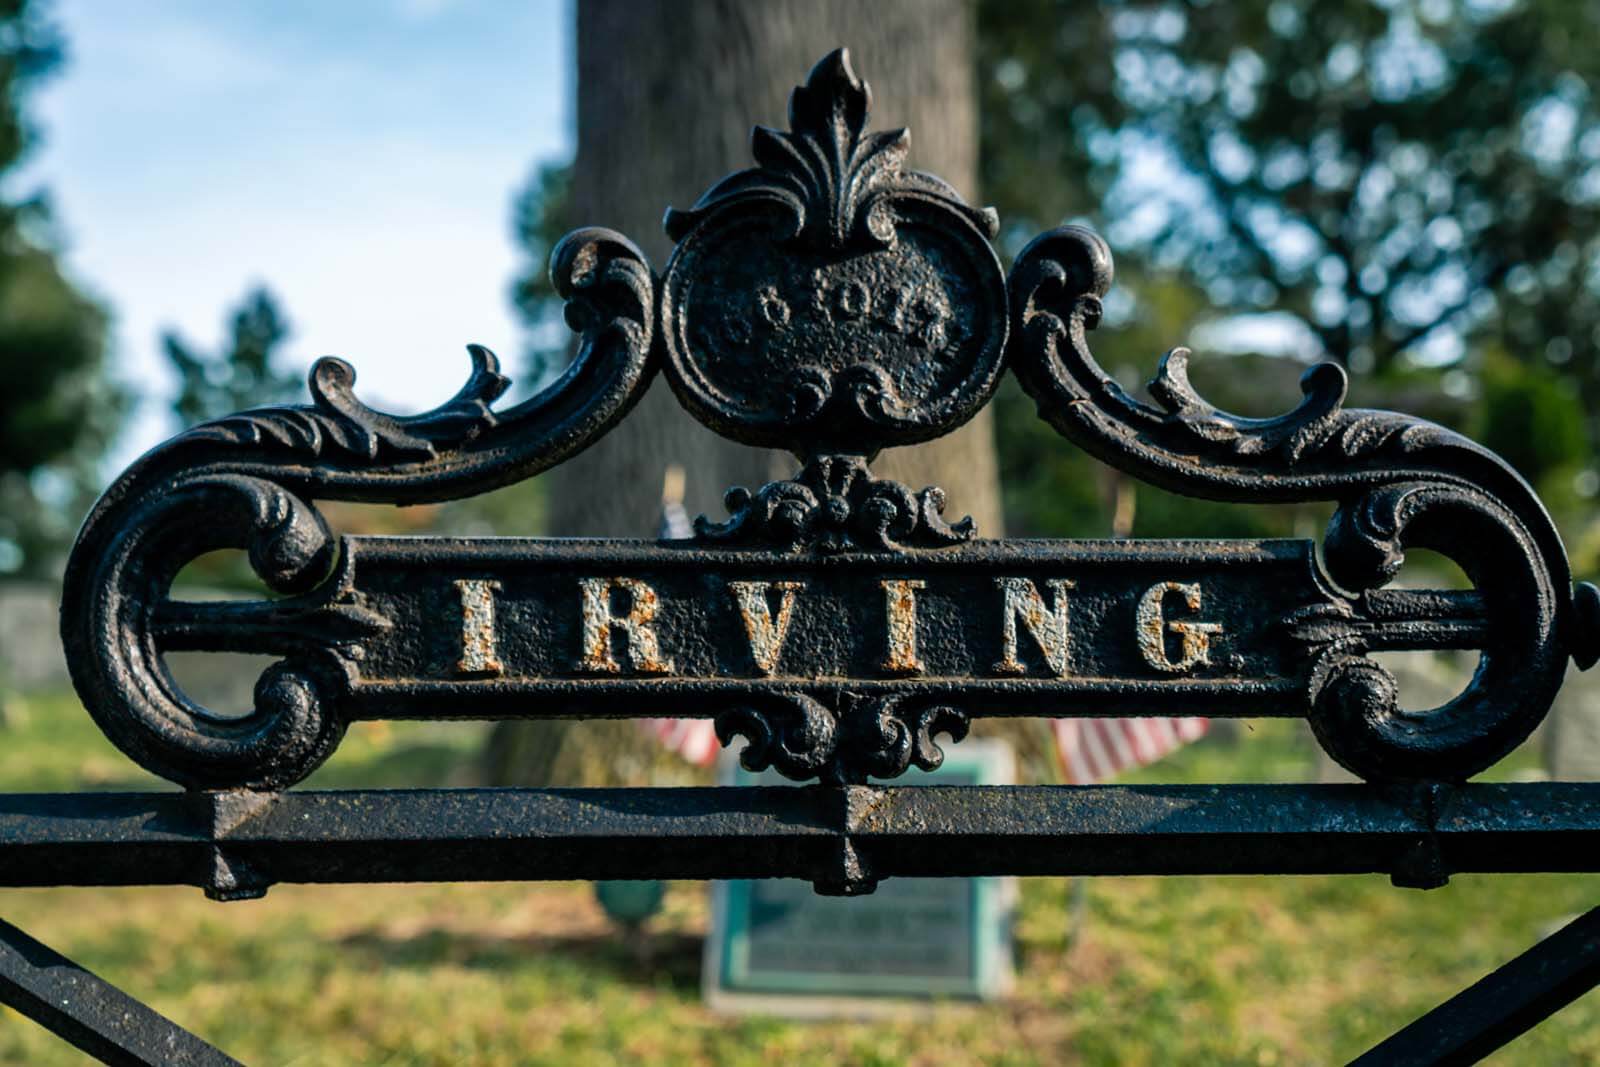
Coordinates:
[1092,750]
[693,739]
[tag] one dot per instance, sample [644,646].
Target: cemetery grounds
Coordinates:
[1161,971]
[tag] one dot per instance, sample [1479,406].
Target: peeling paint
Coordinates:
[644,650]
[900,604]
[1152,627]
[478,636]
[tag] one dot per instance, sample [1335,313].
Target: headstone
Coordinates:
[777,947]
[1572,732]
[30,642]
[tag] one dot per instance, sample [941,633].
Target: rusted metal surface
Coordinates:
[831,302]
[830,668]
[479,654]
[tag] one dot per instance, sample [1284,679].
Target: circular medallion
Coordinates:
[830,301]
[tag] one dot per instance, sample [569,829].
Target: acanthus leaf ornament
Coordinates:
[833,505]
[338,423]
[857,739]
[829,300]
[834,180]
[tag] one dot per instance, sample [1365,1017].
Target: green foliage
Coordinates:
[58,410]
[1162,970]
[1382,171]
[244,375]
[1530,415]
[30,48]
[1401,185]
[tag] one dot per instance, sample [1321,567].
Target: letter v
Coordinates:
[766,635]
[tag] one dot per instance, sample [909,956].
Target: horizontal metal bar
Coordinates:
[597,698]
[90,1013]
[560,553]
[237,844]
[1502,1005]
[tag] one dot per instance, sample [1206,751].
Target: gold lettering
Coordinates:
[477,628]
[900,603]
[766,634]
[1048,625]
[1152,627]
[644,652]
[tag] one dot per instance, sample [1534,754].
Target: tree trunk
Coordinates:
[667,93]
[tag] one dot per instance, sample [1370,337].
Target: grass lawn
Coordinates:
[1163,971]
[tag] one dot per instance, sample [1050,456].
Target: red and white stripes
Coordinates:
[1092,750]
[693,739]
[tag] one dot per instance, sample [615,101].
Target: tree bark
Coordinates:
[667,91]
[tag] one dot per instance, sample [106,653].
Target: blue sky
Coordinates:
[358,156]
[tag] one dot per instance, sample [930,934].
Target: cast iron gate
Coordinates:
[831,303]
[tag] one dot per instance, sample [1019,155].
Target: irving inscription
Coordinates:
[1018,628]
[633,625]
[1020,602]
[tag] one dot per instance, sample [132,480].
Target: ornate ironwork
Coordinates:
[251,478]
[830,302]
[1400,482]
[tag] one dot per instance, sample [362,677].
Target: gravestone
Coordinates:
[1572,732]
[779,948]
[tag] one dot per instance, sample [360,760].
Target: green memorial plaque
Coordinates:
[777,946]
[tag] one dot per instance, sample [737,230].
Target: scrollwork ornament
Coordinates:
[247,481]
[859,737]
[834,505]
[125,683]
[886,736]
[1400,483]
[792,733]
[831,302]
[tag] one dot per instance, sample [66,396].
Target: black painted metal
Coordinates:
[90,1013]
[1504,1004]
[831,302]
[843,837]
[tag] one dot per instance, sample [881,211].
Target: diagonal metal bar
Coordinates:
[1503,1005]
[90,1013]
